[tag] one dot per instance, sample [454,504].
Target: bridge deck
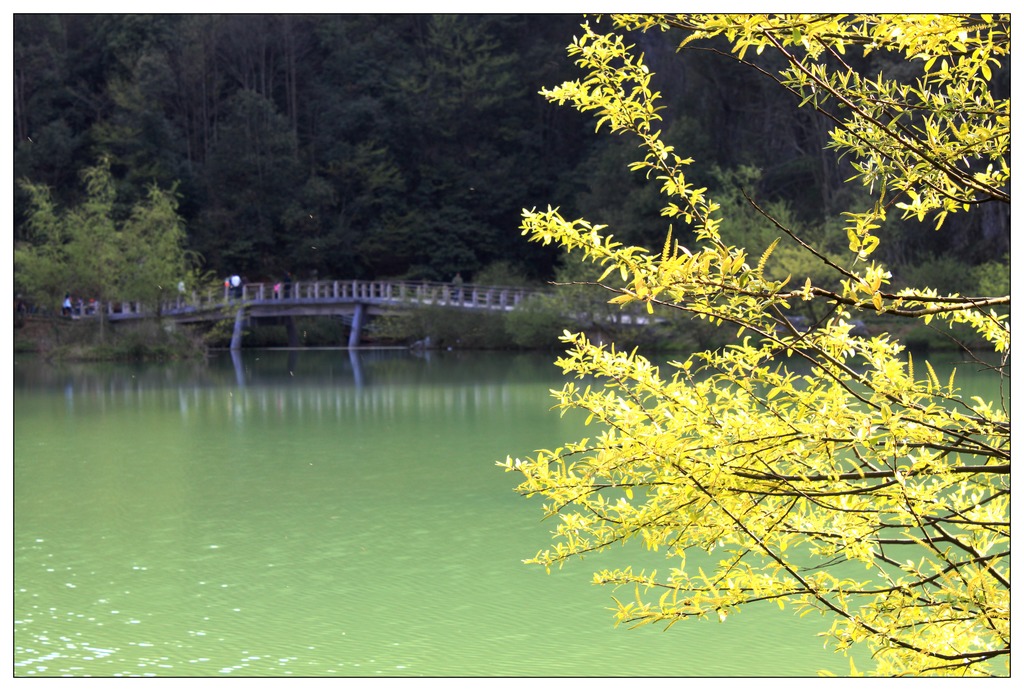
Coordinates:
[356,299]
[313,298]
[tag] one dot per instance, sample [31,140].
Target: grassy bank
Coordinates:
[59,338]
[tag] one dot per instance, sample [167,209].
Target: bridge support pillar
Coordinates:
[293,333]
[357,325]
[236,336]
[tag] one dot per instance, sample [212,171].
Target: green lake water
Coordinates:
[321,513]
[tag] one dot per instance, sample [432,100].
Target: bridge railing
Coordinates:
[466,295]
[380,292]
[394,292]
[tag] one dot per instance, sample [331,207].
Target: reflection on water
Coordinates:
[339,386]
[324,513]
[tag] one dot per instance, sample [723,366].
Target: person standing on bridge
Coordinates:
[457,282]
[287,284]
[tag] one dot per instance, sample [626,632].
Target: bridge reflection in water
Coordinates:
[337,385]
[362,395]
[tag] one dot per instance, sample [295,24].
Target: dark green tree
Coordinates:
[250,175]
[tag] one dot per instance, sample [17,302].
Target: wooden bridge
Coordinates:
[347,299]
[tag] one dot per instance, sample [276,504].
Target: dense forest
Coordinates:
[373,146]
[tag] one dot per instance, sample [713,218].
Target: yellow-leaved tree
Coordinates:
[796,453]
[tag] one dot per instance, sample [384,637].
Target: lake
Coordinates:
[322,513]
